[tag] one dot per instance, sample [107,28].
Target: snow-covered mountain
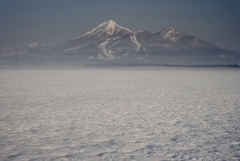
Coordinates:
[98,37]
[25,49]
[113,43]
[107,29]
[184,41]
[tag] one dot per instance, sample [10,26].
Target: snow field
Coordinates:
[120,114]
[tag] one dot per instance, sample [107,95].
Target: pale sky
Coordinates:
[56,21]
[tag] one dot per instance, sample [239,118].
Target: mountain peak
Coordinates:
[170,31]
[110,41]
[110,22]
[32,45]
[109,28]
[171,34]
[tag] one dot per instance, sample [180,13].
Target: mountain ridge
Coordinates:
[112,42]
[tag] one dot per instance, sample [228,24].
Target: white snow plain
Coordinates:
[120,114]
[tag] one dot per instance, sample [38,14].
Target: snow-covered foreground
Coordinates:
[120,114]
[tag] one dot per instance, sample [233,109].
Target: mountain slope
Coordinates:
[185,41]
[114,43]
[96,36]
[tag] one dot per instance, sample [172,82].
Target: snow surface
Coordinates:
[33,45]
[110,27]
[122,114]
[107,54]
[171,34]
[134,40]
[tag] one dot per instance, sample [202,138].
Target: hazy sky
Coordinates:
[56,21]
